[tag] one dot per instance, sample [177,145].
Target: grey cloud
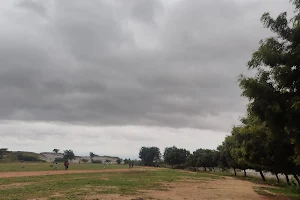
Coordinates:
[35,6]
[87,62]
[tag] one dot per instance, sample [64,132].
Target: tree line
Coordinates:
[268,138]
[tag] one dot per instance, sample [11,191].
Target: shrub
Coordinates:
[59,160]
[28,158]
[97,161]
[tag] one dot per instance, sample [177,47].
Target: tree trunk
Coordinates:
[234,171]
[262,176]
[297,178]
[277,178]
[245,174]
[287,179]
[204,168]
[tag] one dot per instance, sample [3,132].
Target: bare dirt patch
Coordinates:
[100,188]
[222,189]
[57,195]
[15,185]
[109,197]
[225,189]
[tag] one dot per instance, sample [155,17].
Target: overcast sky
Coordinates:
[110,76]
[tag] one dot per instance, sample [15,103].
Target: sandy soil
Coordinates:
[43,173]
[222,189]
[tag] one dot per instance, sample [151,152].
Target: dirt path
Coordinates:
[43,173]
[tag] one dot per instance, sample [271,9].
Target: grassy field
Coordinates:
[81,186]
[26,166]
[122,181]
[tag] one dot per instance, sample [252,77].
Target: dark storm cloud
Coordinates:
[131,62]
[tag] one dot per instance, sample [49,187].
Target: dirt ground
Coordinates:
[43,173]
[222,189]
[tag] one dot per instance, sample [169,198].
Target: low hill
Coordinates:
[49,157]
[18,156]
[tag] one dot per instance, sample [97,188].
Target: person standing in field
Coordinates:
[55,166]
[66,165]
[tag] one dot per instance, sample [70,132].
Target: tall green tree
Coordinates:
[69,154]
[92,155]
[55,150]
[274,92]
[149,155]
[175,156]
[2,152]
[119,160]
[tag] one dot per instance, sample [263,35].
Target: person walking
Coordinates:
[66,165]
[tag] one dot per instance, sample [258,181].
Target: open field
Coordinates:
[131,184]
[18,166]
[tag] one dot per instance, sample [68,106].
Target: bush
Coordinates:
[97,161]
[28,158]
[59,160]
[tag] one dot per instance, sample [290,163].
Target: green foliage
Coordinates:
[97,161]
[174,156]
[84,160]
[3,151]
[22,157]
[119,160]
[274,92]
[92,155]
[127,161]
[55,150]
[205,158]
[59,160]
[69,154]
[149,155]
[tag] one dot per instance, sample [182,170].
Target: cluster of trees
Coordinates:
[68,155]
[134,161]
[205,158]
[3,151]
[269,136]
[180,158]
[150,155]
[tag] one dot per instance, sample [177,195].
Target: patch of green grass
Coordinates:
[28,166]
[262,191]
[280,191]
[76,186]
